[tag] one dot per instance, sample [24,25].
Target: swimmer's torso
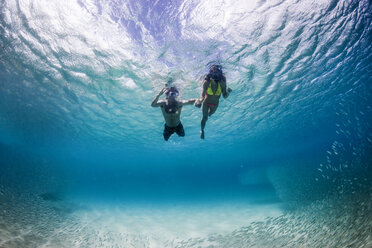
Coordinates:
[213,92]
[171,114]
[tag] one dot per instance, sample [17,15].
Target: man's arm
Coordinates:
[188,102]
[155,102]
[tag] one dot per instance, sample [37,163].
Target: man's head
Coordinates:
[171,93]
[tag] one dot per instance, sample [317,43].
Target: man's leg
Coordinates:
[167,132]
[179,130]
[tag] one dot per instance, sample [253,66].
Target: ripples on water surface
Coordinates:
[77,79]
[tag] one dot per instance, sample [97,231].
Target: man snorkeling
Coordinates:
[171,109]
[213,86]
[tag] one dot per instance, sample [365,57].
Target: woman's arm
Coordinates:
[225,93]
[199,102]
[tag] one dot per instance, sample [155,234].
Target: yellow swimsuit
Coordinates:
[210,91]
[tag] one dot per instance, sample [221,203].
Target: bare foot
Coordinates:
[202,134]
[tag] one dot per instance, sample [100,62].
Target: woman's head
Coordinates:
[215,73]
[215,68]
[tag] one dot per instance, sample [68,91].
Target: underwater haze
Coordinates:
[287,157]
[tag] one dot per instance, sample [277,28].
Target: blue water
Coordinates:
[77,79]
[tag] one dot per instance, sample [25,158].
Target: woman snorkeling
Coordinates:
[213,86]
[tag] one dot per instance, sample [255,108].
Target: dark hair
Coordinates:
[215,72]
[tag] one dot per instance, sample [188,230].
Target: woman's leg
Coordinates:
[212,110]
[204,119]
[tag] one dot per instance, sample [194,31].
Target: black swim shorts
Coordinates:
[168,131]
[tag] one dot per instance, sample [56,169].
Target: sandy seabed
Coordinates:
[29,221]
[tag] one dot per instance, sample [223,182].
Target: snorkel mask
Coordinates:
[172,91]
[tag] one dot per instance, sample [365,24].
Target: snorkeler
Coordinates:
[171,109]
[213,86]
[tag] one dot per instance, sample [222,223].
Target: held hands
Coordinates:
[198,103]
[229,90]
